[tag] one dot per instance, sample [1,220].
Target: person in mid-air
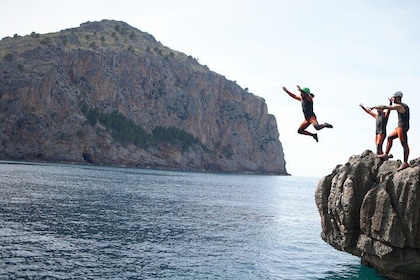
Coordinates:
[306,99]
[381,117]
[401,130]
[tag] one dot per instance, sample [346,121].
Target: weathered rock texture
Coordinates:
[371,210]
[50,83]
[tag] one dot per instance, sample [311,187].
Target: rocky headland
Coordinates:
[371,210]
[109,94]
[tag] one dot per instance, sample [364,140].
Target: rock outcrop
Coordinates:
[371,210]
[107,93]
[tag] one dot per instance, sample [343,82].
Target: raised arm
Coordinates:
[369,111]
[291,94]
[387,112]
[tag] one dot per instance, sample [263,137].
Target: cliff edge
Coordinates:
[371,210]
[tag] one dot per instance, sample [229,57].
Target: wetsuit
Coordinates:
[404,119]
[381,122]
[307,107]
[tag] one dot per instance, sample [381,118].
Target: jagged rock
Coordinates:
[371,210]
[50,83]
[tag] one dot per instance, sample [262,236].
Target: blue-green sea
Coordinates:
[60,221]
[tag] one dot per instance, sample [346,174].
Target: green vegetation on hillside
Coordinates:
[126,131]
[174,135]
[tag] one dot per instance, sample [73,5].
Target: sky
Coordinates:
[346,52]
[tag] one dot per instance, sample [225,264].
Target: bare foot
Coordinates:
[383,157]
[403,166]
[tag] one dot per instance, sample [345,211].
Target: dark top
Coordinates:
[307,106]
[381,121]
[404,119]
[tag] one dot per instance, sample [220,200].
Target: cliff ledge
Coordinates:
[371,210]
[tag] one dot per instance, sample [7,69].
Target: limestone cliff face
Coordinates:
[371,210]
[50,84]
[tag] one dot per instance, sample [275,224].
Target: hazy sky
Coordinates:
[346,52]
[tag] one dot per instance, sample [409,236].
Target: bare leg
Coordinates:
[302,130]
[390,138]
[379,143]
[318,126]
[402,134]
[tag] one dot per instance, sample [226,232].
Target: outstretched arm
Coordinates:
[397,107]
[291,94]
[367,110]
[383,107]
[387,112]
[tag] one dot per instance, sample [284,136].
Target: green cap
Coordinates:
[307,90]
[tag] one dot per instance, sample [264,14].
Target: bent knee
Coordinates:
[392,137]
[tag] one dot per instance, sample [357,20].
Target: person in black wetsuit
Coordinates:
[381,117]
[401,130]
[306,99]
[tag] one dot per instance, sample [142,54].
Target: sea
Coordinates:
[64,221]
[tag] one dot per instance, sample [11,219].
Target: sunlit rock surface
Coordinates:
[56,90]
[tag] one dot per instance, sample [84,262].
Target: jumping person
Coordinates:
[381,117]
[401,131]
[306,99]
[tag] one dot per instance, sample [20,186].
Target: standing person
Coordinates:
[401,130]
[381,117]
[306,99]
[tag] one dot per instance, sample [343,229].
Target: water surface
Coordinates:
[72,221]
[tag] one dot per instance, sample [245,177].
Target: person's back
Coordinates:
[307,106]
[381,122]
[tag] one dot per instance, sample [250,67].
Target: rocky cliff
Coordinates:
[107,93]
[371,210]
